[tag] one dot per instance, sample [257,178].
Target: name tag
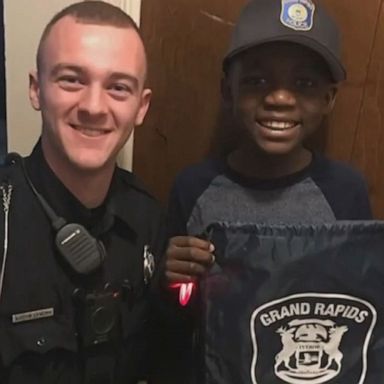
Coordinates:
[33,315]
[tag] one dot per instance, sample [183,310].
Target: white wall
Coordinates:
[24,21]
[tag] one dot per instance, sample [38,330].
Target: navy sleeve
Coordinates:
[345,190]
[189,185]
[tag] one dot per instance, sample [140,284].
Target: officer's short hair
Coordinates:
[89,12]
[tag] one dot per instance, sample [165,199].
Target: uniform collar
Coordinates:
[98,220]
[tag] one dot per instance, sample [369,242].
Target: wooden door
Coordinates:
[186,41]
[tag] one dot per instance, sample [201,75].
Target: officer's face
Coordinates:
[90,92]
[280,94]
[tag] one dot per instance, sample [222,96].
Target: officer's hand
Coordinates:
[187,258]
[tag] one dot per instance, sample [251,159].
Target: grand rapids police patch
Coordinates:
[297,14]
[312,338]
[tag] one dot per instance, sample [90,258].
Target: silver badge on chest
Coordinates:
[149,264]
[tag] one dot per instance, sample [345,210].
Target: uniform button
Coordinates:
[41,341]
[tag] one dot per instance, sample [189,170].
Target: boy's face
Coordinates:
[280,93]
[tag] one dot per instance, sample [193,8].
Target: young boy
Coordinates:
[280,83]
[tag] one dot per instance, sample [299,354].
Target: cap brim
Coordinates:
[337,70]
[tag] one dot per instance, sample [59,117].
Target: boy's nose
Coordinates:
[280,97]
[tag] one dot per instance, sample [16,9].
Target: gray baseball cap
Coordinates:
[297,21]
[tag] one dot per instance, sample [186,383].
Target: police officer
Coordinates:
[79,236]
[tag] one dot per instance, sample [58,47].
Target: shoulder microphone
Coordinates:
[80,249]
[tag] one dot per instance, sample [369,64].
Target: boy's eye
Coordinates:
[257,81]
[306,83]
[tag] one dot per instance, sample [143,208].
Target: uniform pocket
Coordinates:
[37,336]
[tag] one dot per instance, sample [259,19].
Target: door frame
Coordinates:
[132,8]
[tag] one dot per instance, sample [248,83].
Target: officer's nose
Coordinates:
[93,101]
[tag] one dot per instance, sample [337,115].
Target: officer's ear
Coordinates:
[34,90]
[145,100]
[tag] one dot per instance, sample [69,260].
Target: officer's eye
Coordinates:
[69,79]
[120,90]
[70,82]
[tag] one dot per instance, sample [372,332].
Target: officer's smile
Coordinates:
[90,131]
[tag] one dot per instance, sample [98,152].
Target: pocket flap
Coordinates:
[39,336]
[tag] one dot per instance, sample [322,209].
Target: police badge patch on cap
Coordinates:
[297,14]
[149,264]
[312,338]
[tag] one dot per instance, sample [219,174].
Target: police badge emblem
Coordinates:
[311,337]
[149,264]
[297,14]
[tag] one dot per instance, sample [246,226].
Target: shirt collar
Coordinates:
[66,205]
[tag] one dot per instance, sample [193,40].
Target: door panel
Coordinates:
[369,142]
[185,40]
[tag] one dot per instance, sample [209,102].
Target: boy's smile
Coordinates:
[275,125]
[281,93]
[277,129]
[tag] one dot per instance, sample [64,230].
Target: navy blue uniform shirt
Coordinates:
[46,350]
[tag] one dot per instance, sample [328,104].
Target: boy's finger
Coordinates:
[178,278]
[190,254]
[189,268]
[191,241]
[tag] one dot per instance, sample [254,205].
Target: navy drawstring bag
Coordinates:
[299,304]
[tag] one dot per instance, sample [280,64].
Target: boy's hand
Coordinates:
[187,258]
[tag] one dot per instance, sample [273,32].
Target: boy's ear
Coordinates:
[226,92]
[331,97]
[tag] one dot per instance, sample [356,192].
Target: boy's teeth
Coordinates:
[278,124]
